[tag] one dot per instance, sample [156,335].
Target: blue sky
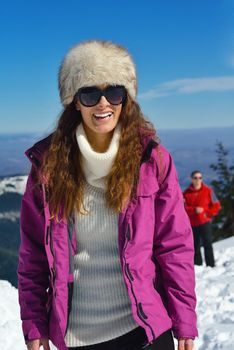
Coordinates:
[184,53]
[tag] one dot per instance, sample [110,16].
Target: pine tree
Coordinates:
[223,224]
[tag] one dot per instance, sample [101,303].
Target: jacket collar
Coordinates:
[193,189]
[35,153]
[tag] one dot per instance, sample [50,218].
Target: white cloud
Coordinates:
[189,86]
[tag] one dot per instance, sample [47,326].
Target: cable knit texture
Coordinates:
[96,165]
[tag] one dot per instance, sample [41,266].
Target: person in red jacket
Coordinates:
[201,205]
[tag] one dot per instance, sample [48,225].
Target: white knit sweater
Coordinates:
[101,308]
[97,165]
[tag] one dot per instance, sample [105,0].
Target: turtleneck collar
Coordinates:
[97,165]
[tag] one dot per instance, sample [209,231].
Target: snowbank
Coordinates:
[215,305]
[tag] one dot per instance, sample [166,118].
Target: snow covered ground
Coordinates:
[215,307]
[215,296]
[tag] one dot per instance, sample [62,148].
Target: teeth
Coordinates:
[104,115]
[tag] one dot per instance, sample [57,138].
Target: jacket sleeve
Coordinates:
[174,252]
[214,205]
[33,270]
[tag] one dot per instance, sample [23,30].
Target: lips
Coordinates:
[103,115]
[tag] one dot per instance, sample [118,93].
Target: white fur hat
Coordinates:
[96,62]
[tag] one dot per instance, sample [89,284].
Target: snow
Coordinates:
[215,305]
[215,299]
[11,336]
[13,184]
[10,215]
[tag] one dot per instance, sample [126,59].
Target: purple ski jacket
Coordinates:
[155,249]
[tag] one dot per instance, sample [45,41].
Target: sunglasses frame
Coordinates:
[197,177]
[102,92]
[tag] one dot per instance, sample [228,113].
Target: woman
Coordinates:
[106,254]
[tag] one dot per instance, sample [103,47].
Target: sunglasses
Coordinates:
[90,96]
[197,177]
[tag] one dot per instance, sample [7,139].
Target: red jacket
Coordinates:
[203,197]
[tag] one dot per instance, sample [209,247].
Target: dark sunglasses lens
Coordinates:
[115,94]
[89,96]
[197,177]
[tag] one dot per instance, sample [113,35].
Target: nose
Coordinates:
[103,102]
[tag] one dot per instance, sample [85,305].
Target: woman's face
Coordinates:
[90,115]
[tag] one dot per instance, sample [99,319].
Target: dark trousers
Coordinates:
[133,340]
[203,234]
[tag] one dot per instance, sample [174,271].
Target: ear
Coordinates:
[78,105]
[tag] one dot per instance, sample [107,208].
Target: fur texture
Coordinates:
[96,62]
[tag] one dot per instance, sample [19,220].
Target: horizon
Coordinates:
[161,129]
[193,148]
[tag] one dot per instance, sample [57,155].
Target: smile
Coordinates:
[103,115]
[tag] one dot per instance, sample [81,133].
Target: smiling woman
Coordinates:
[100,108]
[105,239]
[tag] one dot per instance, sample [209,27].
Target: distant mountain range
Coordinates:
[191,149]
[11,190]
[194,149]
[12,148]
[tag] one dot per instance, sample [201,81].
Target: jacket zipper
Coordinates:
[140,311]
[53,269]
[70,290]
